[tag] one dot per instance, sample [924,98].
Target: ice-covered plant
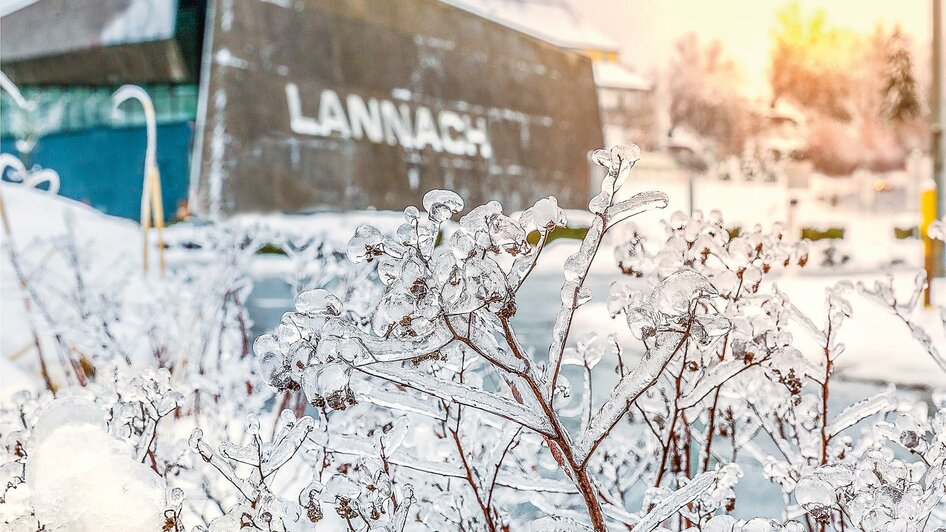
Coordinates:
[400,396]
[352,479]
[442,329]
[757,389]
[717,364]
[159,355]
[317,264]
[891,478]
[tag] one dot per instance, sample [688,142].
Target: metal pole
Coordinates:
[934,263]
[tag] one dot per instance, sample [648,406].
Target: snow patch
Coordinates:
[83,479]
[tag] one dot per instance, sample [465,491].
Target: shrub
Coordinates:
[471,431]
[416,406]
[831,233]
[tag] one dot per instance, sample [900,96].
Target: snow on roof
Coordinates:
[552,21]
[685,138]
[781,110]
[788,111]
[617,76]
[9,6]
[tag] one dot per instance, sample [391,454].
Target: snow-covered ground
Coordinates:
[869,237]
[112,245]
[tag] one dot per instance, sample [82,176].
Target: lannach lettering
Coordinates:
[386,121]
[349,104]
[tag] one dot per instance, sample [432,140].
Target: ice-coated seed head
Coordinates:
[318,301]
[441,205]
[365,245]
[547,215]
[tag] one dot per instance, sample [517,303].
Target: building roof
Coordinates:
[33,29]
[99,42]
[9,6]
[553,21]
[617,76]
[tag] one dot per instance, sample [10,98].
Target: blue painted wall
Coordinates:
[104,166]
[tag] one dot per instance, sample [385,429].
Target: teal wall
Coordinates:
[104,166]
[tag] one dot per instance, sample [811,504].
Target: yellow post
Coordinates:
[927,217]
[152,215]
[145,218]
[157,210]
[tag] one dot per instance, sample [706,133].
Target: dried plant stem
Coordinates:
[24,286]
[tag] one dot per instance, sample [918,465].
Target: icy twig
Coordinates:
[855,413]
[627,391]
[676,500]
[883,294]
[462,394]
[578,264]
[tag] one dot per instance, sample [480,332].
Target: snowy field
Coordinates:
[869,231]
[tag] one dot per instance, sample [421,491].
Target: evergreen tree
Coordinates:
[899,100]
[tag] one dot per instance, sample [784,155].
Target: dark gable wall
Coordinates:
[60,42]
[539,101]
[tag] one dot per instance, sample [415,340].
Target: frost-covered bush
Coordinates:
[157,354]
[148,352]
[834,468]
[491,436]
[397,394]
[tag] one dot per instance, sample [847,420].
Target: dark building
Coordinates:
[297,105]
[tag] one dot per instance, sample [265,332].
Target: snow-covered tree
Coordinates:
[704,95]
[900,101]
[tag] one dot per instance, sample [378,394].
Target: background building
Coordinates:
[68,56]
[626,98]
[256,111]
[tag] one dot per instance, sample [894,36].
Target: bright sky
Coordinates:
[647,29]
